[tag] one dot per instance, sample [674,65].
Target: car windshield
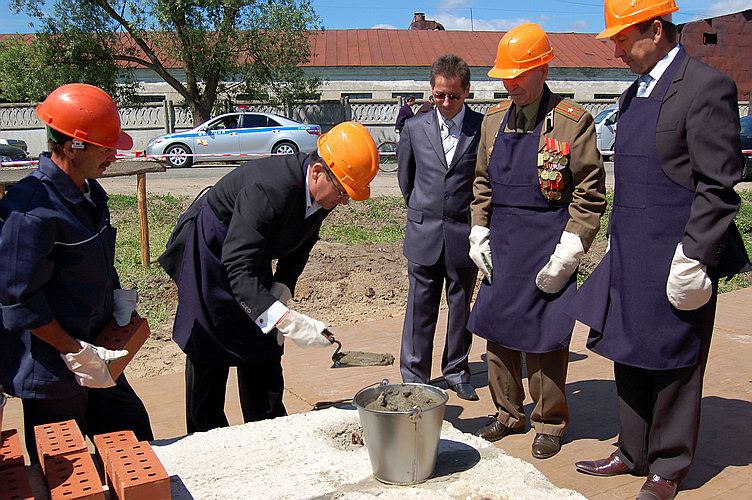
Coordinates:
[603,115]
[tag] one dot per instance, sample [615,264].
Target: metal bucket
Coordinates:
[403,446]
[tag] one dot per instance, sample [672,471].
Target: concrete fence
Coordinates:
[18,121]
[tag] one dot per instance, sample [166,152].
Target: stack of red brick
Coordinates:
[131,468]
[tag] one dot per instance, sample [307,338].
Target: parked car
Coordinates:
[605,129]
[16,143]
[234,133]
[746,139]
[10,153]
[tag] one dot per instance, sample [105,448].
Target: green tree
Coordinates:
[223,46]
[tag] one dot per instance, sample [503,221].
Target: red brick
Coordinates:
[137,473]
[73,476]
[105,442]
[58,439]
[14,485]
[130,337]
[11,452]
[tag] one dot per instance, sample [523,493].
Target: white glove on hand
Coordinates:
[688,286]
[303,330]
[561,265]
[282,294]
[124,303]
[89,365]
[480,250]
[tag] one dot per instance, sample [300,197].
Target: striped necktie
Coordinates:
[447,141]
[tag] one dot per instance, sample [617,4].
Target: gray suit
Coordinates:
[436,243]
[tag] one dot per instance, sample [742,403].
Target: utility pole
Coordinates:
[471,19]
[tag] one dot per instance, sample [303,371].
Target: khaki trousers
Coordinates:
[547,375]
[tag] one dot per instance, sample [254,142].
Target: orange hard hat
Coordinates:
[522,48]
[84,112]
[621,14]
[350,153]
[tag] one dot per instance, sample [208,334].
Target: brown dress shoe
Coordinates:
[611,466]
[496,430]
[546,445]
[657,488]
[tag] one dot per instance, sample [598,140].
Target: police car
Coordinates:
[235,137]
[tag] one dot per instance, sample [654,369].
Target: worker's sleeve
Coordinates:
[247,236]
[480,206]
[589,180]
[716,161]
[26,265]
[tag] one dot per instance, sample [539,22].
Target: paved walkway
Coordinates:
[722,468]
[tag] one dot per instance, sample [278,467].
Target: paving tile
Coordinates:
[14,485]
[73,476]
[11,451]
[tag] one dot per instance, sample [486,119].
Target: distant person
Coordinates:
[539,197]
[236,256]
[436,183]
[426,106]
[58,284]
[231,122]
[651,302]
[405,112]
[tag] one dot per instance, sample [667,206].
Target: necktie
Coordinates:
[521,121]
[447,141]
[642,85]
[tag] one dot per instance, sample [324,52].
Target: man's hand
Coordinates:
[124,304]
[303,330]
[89,365]
[688,286]
[480,250]
[282,294]
[561,265]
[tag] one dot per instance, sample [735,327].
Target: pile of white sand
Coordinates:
[311,455]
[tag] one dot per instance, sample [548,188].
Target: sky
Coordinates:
[479,15]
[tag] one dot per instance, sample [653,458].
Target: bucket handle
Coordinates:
[415,414]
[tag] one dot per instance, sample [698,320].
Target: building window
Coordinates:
[149,99]
[609,97]
[416,95]
[501,95]
[566,95]
[471,95]
[710,38]
[356,95]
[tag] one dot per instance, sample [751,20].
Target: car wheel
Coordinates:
[179,161]
[284,148]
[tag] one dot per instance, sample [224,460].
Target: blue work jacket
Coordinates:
[57,255]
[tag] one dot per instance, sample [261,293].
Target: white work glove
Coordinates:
[124,304]
[282,294]
[89,365]
[688,286]
[480,250]
[561,265]
[303,330]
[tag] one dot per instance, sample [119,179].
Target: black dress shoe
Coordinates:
[611,466]
[496,430]
[465,391]
[657,488]
[546,445]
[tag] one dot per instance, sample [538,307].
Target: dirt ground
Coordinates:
[342,285]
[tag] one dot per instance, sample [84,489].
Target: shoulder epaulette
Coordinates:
[502,106]
[570,109]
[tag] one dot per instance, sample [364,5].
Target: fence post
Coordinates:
[170,120]
[166,111]
[143,219]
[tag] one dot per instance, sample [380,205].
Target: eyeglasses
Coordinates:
[340,192]
[440,96]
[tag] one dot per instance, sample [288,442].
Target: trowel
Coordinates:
[356,358]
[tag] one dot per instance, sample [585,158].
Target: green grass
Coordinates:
[378,220]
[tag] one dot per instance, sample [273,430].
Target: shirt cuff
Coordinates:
[27,315]
[271,316]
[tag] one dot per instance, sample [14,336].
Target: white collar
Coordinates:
[661,66]
[458,118]
[311,205]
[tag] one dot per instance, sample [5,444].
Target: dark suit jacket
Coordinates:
[437,196]
[405,112]
[698,145]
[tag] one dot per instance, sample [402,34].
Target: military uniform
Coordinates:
[530,187]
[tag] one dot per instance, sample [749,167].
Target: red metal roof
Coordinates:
[385,47]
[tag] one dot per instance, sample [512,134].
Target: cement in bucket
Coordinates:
[403,445]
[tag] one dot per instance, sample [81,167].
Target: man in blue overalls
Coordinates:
[58,284]
[651,301]
[539,195]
